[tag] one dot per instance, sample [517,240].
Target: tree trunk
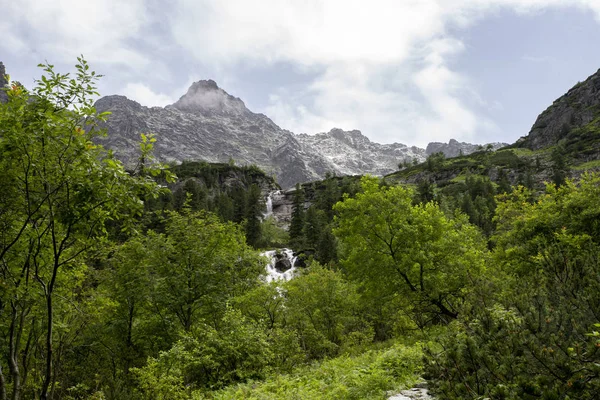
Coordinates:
[13,354]
[2,385]
[48,373]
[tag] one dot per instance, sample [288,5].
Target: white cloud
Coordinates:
[60,30]
[385,63]
[383,66]
[146,96]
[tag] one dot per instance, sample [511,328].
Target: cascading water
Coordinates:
[281,265]
[273,200]
[269,207]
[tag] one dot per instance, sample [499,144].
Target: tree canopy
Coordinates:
[415,250]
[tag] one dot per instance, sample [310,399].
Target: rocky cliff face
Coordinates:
[209,124]
[455,148]
[352,153]
[3,83]
[575,109]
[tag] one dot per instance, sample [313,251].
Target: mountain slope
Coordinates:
[576,109]
[455,148]
[354,154]
[209,124]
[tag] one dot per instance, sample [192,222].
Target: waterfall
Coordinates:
[276,197]
[269,206]
[281,265]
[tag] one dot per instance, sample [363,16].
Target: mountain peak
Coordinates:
[206,96]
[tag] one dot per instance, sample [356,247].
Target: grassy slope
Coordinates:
[366,376]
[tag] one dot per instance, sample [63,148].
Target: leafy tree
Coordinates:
[208,357]
[393,246]
[322,308]
[197,265]
[528,337]
[59,191]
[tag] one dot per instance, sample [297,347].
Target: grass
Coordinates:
[366,376]
[519,151]
[587,165]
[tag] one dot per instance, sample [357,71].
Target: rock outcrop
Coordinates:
[207,124]
[575,109]
[353,153]
[455,148]
[3,84]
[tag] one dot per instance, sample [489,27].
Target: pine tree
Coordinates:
[297,223]
[253,215]
[313,225]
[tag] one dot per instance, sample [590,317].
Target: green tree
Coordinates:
[297,223]
[559,165]
[197,265]
[59,191]
[527,333]
[322,308]
[313,226]
[416,251]
[425,191]
[254,212]
[434,161]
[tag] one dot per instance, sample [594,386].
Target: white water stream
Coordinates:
[283,256]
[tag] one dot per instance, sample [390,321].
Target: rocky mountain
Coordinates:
[576,109]
[455,148]
[209,124]
[354,154]
[3,83]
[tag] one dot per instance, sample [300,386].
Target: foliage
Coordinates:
[323,310]
[392,246]
[367,376]
[530,337]
[297,223]
[207,357]
[59,193]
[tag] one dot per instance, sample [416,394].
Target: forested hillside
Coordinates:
[148,283]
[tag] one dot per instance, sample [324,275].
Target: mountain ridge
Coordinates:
[209,124]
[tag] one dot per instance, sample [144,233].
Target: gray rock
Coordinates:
[352,153]
[282,262]
[578,107]
[412,394]
[455,148]
[3,84]
[208,124]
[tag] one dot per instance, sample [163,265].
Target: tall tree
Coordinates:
[297,223]
[59,191]
[254,212]
[415,251]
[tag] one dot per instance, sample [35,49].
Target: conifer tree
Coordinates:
[297,223]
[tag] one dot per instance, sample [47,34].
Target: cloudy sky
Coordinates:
[409,71]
